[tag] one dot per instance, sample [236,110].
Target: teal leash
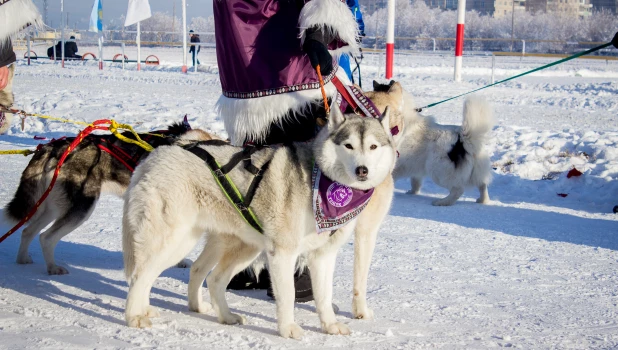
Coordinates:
[614,43]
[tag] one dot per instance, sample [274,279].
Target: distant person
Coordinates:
[22,14]
[70,49]
[194,50]
[50,51]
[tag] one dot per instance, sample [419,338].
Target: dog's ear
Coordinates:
[376,85]
[395,87]
[335,118]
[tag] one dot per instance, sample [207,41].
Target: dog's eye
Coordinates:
[373,147]
[348,146]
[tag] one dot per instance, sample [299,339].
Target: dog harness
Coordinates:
[334,204]
[242,204]
[127,154]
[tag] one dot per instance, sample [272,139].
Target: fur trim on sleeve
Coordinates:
[331,15]
[15,15]
[251,118]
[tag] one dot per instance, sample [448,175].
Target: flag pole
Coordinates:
[101,51]
[62,30]
[184,36]
[139,49]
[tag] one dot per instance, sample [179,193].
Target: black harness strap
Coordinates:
[238,157]
[220,173]
[257,178]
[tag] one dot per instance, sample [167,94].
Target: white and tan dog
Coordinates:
[453,156]
[173,199]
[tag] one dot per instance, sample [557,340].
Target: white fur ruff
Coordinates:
[17,14]
[251,118]
[332,15]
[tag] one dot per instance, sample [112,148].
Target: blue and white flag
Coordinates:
[96,17]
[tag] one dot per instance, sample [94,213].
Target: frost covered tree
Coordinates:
[416,20]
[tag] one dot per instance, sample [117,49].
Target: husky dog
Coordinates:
[87,172]
[173,200]
[6,100]
[452,155]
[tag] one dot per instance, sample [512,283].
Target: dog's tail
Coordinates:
[30,189]
[478,120]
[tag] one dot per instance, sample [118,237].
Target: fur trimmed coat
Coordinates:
[15,15]
[265,75]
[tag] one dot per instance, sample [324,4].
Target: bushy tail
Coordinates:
[31,187]
[478,120]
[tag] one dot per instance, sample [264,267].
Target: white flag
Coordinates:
[139,10]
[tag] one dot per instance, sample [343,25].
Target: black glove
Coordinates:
[319,55]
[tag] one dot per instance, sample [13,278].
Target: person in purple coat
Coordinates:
[268,52]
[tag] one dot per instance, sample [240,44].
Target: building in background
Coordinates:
[605,5]
[504,8]
[574,8]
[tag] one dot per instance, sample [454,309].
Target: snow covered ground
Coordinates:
[533,270]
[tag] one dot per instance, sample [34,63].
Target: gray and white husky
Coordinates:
[453,156]
[174,200]
[88,172]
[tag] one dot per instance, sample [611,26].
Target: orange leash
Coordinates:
[326,107]
[80,137]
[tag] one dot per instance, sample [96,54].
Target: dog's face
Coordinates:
[6,94]
[390,94]
[356,151]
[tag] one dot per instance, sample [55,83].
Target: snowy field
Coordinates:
[533,270]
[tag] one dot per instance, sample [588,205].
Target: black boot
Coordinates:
[246,280]
[302,286]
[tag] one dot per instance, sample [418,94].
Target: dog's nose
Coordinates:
[362,171]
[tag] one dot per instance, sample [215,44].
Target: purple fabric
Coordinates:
[258,47]
[335,204]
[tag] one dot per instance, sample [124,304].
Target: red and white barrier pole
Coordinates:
[459,41]
[390,39]
[100,52]
[184,36]
[138,39]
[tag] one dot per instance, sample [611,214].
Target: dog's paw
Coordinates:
[482,200]
[336,328]
[232,319]
[24,260]
[57,270]
[141,321]
[291,330]
[413,192]
[184,264]
[152,312]
[202,308]
[364,313]
[442,203]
